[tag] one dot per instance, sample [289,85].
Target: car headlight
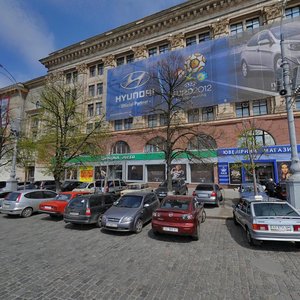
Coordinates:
[127,220]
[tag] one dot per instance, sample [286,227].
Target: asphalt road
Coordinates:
[43,258]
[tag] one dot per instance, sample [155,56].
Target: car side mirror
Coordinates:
[146,205]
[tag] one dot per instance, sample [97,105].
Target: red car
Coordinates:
[180,215]
[56,208]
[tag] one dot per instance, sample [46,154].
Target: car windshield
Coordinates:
[204,187]
[77,203]
[83,185]
[288,31]
[129,201]
[165,183]
[175,204]
[63,197]
[274,209]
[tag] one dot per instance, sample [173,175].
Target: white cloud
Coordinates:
[24,32]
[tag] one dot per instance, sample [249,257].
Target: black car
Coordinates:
[88,209]
[45,185]
[69,185]
[179,187]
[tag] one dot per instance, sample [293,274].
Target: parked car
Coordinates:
[25,202]
[179,187]
[267,220]
[209,193]
[106,186]
[130,212]
[56,208]
[246,190]
[3,194]
[88,209]
[69,185]
[180,215]
[45,185]
[263,52]
[137,187]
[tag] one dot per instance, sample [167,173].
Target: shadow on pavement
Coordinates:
[82,227]
[52,219]
[118,233]
[169,237]
[239,236]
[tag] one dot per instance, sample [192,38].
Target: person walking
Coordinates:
[270,187]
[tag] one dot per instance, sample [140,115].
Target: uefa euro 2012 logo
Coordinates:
[193,67]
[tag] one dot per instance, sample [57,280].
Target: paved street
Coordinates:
[43,258]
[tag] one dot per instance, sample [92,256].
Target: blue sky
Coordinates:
[31,29]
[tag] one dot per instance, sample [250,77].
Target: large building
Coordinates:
[239,43]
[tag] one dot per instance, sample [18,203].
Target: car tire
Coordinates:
[235,220]
[197,233]
[203,217]
[138,226]
[27,212]
[245,69]
[99,221]
[249,237]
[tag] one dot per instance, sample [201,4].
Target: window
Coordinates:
[98,108]
[204,37]
[252,24]
[158,50]
[92,71]
[292,12]
[242,109]
[135,172]
[91,90]
[129,58]
[99,88]
[191,41]
[120,61]
[156,173]
[261,138]
[118,125]
[90,110]
[260,107]
[97,126]
[202,173]
[244,25]
[201,142]
[163,120]
[152,52]
[157,144]
[100,69]
[125,59]
[193,115]
[163,48]
[152,120]
[89,128]
[128,123]
[71,77]
[208,113]
[236,28]
[120,147]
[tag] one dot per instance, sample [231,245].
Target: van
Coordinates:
[88,209]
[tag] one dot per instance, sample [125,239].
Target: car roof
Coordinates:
[273,200]
[179,197]
[74,192]
[139,193]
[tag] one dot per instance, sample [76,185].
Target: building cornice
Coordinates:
[177,17]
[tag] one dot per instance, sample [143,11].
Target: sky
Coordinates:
[31,29]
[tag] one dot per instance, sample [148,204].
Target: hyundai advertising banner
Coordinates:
[228,69]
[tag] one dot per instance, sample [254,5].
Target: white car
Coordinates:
[137,187]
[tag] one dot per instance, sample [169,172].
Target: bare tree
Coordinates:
[64,134]
[170,102]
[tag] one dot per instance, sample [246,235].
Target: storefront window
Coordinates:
[100,172]
[178,171]
[156,173]
[235,174]
[202,173]
[115,172]
[135,172]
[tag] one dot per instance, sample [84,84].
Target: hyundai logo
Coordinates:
[135,79]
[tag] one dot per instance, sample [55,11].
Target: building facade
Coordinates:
[190,28]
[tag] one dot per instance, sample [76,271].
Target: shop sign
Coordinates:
[223,173]
[86,174]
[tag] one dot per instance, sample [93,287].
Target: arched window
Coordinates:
[260,137]
[201,142]
[120,147]
[157,144]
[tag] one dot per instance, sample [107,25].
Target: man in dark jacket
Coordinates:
[270,187]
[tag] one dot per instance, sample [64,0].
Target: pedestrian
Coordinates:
[270,187]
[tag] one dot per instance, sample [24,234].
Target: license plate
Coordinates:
[47,207]
[172,229]
[74,213]
[282,228]
[6,205]
[162,195]
[111,224]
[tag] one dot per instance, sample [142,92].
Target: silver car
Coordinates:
[267,220]
[209,193]
[25,202]
[263,53]
[130,212]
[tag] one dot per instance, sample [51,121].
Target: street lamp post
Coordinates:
[293,182]
[12,183]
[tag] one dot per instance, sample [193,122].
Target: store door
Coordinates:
[264,172]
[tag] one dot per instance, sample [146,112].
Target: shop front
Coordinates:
[273,162]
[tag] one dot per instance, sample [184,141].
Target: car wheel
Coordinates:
[138,226]
[197,233]
[245,69]
[99,221]
[235,220]
[249,237]
[203,217]
[27,212]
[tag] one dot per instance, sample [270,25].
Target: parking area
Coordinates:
[42,258]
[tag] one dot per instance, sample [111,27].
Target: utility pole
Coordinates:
[293,182]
